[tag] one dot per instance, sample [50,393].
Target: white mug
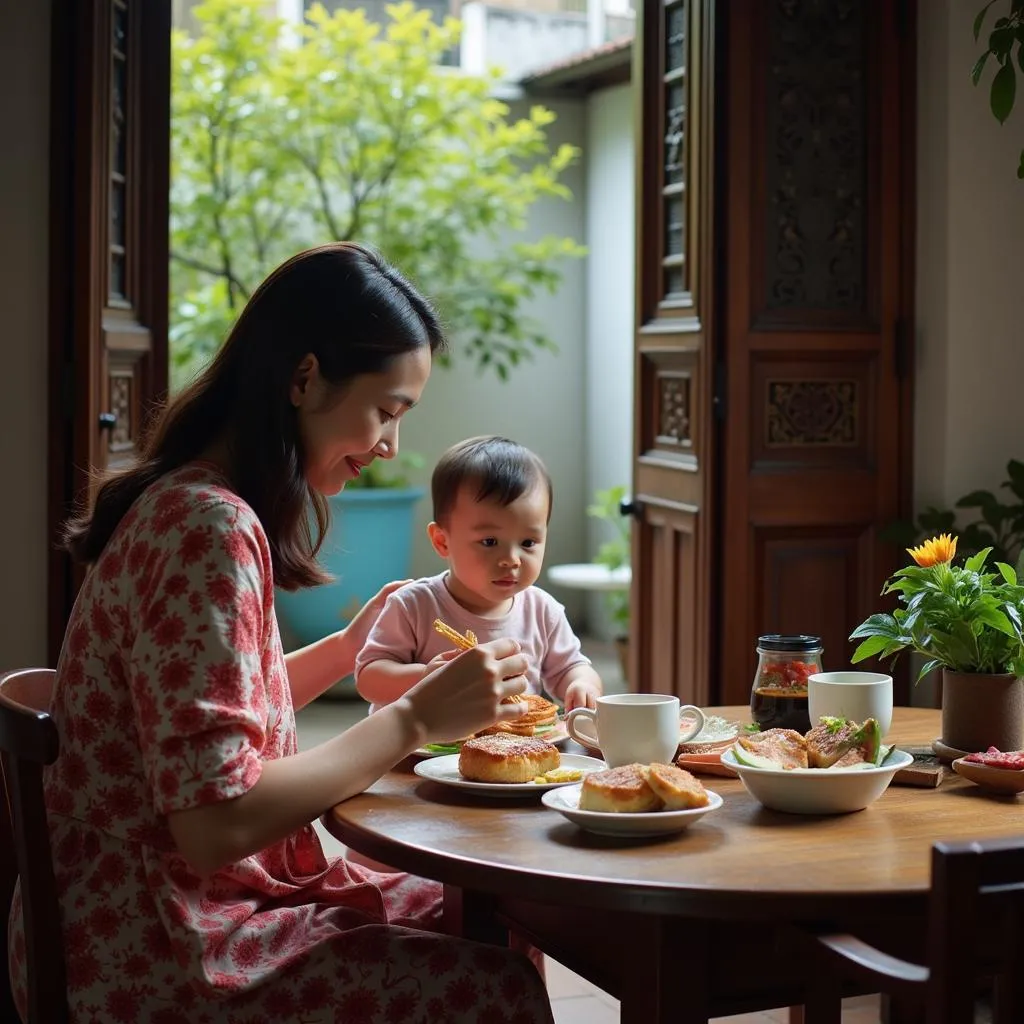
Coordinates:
[635,727]
[852,695]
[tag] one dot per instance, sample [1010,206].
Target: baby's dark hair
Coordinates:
[500,469]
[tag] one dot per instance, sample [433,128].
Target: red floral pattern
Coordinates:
[172,691]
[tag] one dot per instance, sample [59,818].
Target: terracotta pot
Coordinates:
[982,710]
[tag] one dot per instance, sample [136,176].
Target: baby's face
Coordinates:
[494,551]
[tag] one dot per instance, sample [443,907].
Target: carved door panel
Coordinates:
[817,306]
[109,226]
[670,645]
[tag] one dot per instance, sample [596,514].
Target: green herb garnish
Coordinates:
[751,727]
[833,724]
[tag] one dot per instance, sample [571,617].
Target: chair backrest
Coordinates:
[976,926]
[28,741]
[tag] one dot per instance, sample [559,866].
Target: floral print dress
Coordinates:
[172,692]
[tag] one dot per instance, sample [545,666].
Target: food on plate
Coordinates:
[840,742]
[462,642]
[622,790]
[539,717]
[996,758]
[716,735]
[677,789]
[559,775]
[639,788]
[785,747]
[504,757]
[832,743]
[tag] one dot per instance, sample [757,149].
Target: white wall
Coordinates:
[969,417]
[542,404]
[25,117]
[610,272]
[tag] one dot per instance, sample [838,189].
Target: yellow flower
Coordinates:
[932,552]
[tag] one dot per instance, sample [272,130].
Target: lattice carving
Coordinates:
[674,409]
[816,151]
[822,413]
[675,36]
[675,134]
[117,285]
[121,386]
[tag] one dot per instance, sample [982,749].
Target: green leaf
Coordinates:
[1020,166]
[1007,572]
[927,667]
[980,19]
[979,66]
[975,562]
[976,499]
[870,647]
[879,624]
[1004,89]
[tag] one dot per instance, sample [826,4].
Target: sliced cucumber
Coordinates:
[751,760]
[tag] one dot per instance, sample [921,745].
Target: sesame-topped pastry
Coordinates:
[505,757]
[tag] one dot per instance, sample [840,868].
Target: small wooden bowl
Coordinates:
[999,780]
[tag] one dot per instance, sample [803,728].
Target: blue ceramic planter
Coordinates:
[369,544]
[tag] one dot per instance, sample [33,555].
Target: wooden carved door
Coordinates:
[673,477]
[110,138]
[817,304]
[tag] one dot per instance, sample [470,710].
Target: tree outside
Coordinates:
[286,136]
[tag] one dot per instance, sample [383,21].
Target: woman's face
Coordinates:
[344,429]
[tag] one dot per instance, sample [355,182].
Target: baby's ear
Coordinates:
[438,538]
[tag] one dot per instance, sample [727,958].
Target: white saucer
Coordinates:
[446,771]
[566,800]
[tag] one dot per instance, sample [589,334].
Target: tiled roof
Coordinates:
[579,65]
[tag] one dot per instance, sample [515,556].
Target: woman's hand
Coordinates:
[465,695]
[356,632]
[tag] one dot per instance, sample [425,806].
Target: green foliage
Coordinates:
[999,524]
[615,552]
[387,472]
[1007,33]
[957,617]
[341,129]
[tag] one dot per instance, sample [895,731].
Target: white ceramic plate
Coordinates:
[557,736]
[566,800]
[818,790]
[446,771]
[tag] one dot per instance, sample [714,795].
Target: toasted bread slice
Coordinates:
[677,788]
[620,790]
[840,742]
[784,746]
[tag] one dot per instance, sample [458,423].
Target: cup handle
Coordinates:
[570,726]
[691,711]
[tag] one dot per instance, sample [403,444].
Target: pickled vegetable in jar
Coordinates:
[778,697]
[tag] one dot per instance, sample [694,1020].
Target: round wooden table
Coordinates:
[735,878]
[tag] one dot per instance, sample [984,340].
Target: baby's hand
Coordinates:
[440,659]
[581,694]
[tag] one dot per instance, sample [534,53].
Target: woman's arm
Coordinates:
[312,669]
[291,791]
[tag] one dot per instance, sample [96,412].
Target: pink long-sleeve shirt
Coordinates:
[404,632]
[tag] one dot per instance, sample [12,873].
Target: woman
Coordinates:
[192,884]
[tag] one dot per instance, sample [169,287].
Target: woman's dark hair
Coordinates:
[498,468]
[342,303]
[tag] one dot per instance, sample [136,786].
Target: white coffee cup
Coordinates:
[641,727]
[852,695]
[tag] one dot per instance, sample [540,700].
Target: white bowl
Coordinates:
[818,790]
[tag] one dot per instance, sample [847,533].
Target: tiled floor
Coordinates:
[573,999]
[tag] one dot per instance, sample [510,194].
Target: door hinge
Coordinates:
[718,394]
[901,349]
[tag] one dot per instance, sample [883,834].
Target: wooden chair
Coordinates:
[975,932]
[28,741]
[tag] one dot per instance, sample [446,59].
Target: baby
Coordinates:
[492,504]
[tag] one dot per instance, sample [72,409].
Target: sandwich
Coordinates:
[832,743]
[785,748]
[540,716]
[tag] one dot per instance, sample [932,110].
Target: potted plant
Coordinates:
[615,553]
[968,623]
[368,544]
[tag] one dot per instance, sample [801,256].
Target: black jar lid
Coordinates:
[799,642]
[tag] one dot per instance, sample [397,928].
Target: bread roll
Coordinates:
[621,790]
[506,758]
[676,787]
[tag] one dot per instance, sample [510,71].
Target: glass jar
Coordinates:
[778,698]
